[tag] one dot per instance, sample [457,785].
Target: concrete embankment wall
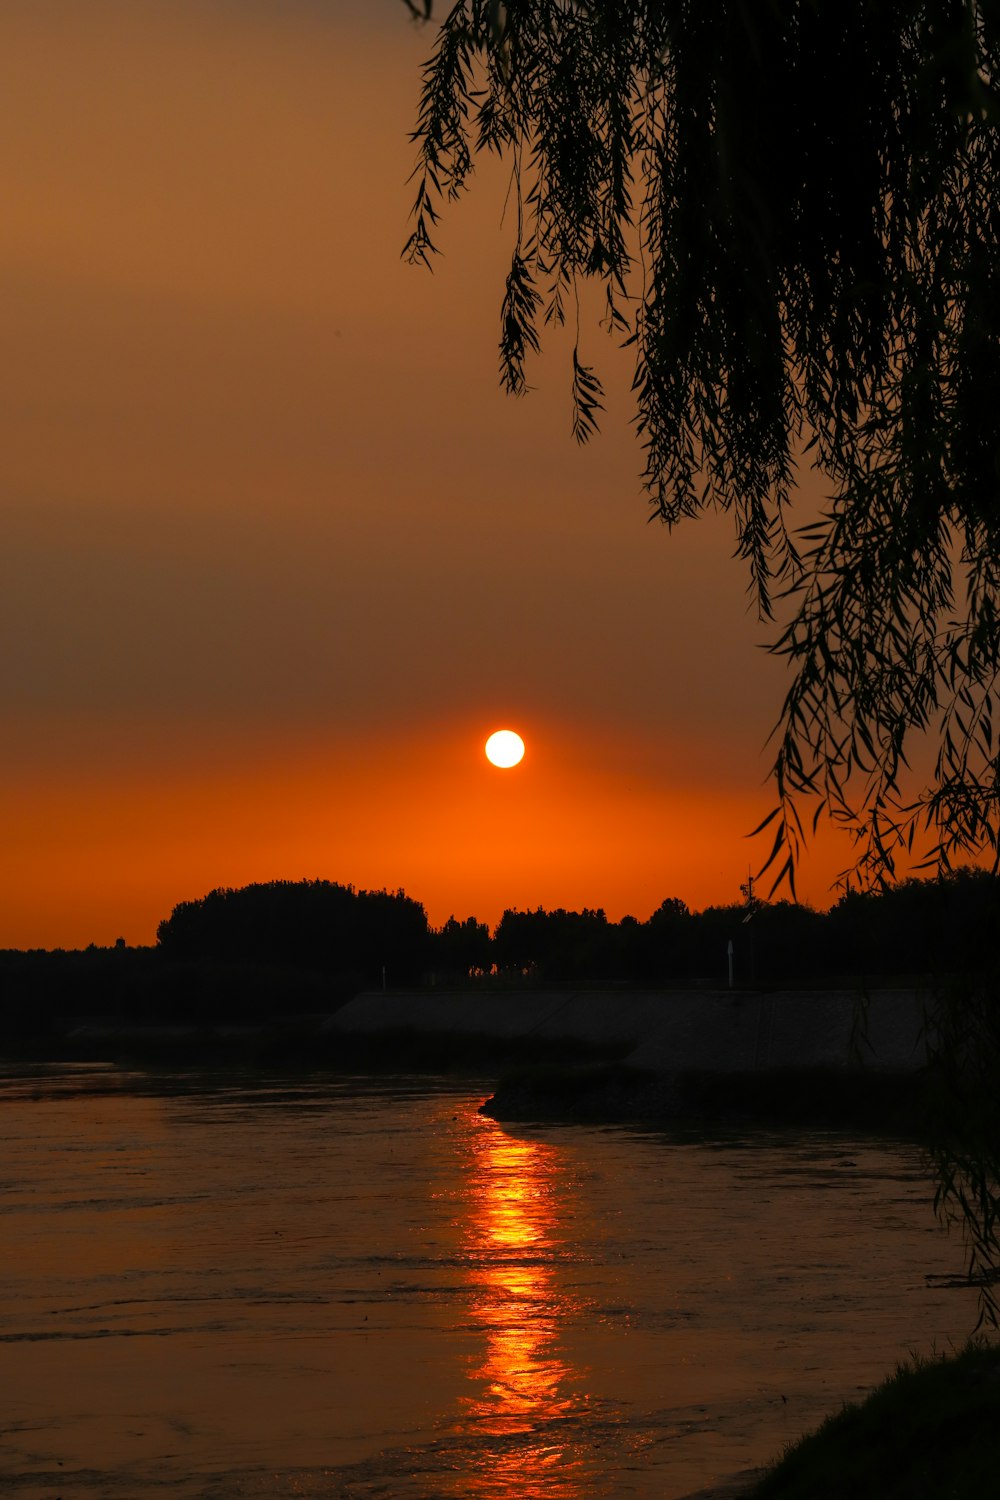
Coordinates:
[669,1030]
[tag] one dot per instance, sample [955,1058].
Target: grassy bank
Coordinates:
[930,1432]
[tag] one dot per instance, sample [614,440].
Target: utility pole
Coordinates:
[752,905]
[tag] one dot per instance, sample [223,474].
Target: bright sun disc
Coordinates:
[504,749]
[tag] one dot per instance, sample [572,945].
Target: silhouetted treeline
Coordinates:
[917,929]
[254,954]
[285,949]
[312,924]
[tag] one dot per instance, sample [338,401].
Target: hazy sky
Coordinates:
[278,553]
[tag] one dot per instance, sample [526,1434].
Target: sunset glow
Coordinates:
[265,504]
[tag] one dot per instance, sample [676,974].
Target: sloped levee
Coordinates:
[667,1031]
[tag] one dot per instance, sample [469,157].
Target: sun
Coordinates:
[504,749]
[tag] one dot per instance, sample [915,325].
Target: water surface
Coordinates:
[326,1287]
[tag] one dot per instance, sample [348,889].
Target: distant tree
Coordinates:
[670,912]
[666,943]
[711,931]
[304,924]
[625,949]
[789,943]
[932,927]
[519,941]
[461,948]
[792,210]
[555,945]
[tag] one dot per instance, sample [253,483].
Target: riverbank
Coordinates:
[932,1430]
[834,1098]
[833,1058]
[828,1058]
[667,1031]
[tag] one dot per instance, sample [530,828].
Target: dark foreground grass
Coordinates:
[930,1432]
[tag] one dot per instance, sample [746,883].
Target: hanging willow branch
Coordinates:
[794,209]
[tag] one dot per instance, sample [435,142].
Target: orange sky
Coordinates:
[278,554]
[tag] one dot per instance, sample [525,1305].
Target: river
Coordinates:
[221,1287]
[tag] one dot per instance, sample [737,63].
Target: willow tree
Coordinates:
[792,210]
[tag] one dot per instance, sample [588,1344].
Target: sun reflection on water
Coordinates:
[525,1391]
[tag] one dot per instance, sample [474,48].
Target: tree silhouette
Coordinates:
[460,949]
[793,209]
[312,923]
[560,944]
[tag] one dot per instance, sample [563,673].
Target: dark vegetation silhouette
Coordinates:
[261,952]
[460,950]
[790,215]
[295,947]
[315,924]
[920,930]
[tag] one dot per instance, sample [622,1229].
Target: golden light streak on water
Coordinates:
[524,1386]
